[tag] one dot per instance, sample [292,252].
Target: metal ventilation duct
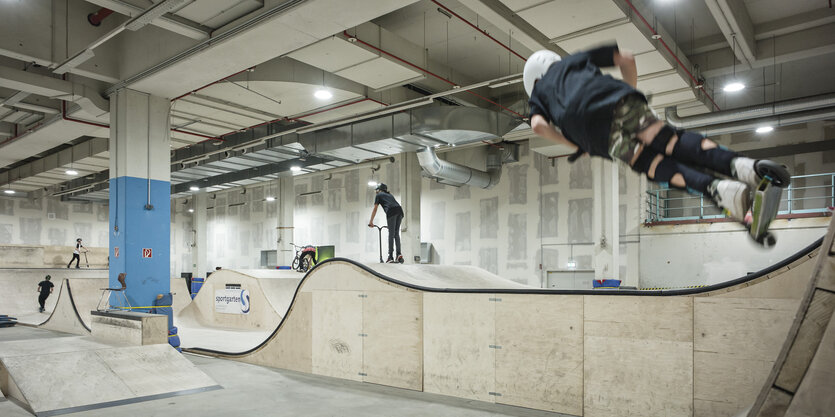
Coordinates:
[751,112]
[455,174]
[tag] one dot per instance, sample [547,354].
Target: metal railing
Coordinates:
[806,194]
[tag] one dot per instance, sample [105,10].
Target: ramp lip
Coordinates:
[72,303]
[687,291]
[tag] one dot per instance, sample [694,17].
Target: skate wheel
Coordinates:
[778,174]
[769,240]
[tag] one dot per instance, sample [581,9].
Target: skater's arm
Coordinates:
[542,128]
[625,61]
[373,213]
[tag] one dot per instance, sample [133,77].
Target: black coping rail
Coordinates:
[640,293]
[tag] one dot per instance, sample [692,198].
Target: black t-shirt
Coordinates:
[45,286]
[576,97]
[390,205]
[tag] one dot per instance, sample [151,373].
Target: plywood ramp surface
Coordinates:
[20,296]
[467,333]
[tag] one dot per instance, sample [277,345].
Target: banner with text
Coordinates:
[232,301]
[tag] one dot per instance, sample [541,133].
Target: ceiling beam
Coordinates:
[244,174]
[497,13]
[168,21]
[793,24]
[735,23]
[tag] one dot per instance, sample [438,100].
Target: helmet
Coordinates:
[382,187]
[536,66]
[78,240]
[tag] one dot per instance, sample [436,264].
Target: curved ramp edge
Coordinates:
[802,380]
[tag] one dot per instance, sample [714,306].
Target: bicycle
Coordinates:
[305,257]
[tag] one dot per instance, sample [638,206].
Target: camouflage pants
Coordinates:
[632,115]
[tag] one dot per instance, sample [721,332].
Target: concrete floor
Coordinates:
[256,390]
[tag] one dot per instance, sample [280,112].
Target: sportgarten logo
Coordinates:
[245,301]
[232,301]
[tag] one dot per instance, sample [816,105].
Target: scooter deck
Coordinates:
[764,210]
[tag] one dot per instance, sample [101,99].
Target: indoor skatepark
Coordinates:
[195,149]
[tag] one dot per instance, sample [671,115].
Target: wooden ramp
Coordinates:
[76,299]
[81,373]
[463,332]
[802,382]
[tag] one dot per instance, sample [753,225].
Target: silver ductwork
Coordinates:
[455,174]
[763,112]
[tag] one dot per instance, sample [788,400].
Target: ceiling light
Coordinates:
[764,129]
[323,94]
[270,198]
[9,191]
[733,87]
[71,172]
[372,183]
[191,210]
[295,168]
[194,188]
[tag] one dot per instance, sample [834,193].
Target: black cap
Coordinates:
[382,187]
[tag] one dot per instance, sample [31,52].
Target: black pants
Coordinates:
[393,223]
[42,298]
[76,258]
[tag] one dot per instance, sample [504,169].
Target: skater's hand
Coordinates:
[371,225]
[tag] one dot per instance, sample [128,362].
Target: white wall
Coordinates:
[27,222]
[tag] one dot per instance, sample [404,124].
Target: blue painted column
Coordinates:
[140,196]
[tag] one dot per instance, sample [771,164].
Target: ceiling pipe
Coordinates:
[455,174]
[750,112]
[827,113]
[351,38]
[96,18]
[655,35]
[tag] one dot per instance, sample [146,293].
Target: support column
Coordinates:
[410,201]
[140,195]
[286,211]
[200,243]
[605,219]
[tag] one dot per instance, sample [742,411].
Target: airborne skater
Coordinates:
[602,116]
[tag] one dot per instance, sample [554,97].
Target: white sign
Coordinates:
[232,301]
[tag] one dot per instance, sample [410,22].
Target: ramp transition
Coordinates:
[455,331]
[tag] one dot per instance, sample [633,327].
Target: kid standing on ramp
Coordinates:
[606,117]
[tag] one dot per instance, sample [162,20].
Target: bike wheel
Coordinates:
[306,262]
[295,265]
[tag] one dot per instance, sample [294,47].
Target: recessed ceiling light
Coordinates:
[295,168]
[372,183]
[9,191]
[764,129]
[323,94]
[194,188]
[733,87]
[71,172]
[191,210]
[270,198]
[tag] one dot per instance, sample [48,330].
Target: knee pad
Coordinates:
[688,149]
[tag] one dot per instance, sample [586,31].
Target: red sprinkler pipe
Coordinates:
[96,18]
[667,47]
[424,70]
[482,31]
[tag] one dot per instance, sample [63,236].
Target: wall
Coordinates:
[540,213]
[50,221]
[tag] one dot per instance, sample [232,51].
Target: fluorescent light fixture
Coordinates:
[764,129]
[571,264]
[733,87]
[71,172]
[270,198]
[191,210]
[323,94]
[9,191]
[295,168]
[194,188]
[372,183]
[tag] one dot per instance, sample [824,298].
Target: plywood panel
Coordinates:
[638,356]
[749,327]
[337,324]
[458,330]
[393,347]
[814,395]
[344,276]
[724,384]
[291,348]
[540,363]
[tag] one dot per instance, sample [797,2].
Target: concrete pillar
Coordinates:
[140,195]
[605,219]
[286,199]
[410,181]
[200,243]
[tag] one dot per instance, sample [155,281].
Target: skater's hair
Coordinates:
[48,277]
[78,240]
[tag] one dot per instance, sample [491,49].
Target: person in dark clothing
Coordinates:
[76,254]
[394,216]
[601,116]
[45,288]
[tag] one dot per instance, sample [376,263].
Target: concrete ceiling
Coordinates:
[249,68]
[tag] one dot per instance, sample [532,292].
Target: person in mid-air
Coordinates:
[394,216]
[602,116]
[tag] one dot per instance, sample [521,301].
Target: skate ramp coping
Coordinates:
[444,330]
[75,302]
[81,373]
